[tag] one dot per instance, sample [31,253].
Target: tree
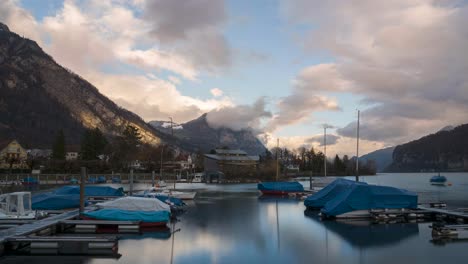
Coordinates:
[132,135]
[93,144]
[58,148]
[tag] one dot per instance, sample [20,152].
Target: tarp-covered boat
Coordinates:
[319,199]
[163,198]
[135,204]
[30,181]
[147,218]
[438,179]
[94,191]
[52,201]
[363,197]
[280,187]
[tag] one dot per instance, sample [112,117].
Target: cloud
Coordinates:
[404,58]
[216,92]
[192,28]
[331,139]
[240,116]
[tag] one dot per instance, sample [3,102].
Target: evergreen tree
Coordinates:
[58,149]
[93,144]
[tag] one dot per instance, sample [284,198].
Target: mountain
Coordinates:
[39,97]
[381,157]
[444,151]
[197,135]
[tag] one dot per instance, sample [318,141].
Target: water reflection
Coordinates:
[364,234]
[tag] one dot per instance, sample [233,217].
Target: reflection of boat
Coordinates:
[359,200]
[16,205]
[28,181]
[280,188]
[438,180]
[364,234]
[151,212]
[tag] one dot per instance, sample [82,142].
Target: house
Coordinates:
[232,163]
[72,152]
[12,155]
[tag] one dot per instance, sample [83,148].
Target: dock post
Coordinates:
[152,178]
[82,188]
[131,182]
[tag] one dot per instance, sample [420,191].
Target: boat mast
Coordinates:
[325,149]
[277,158]
[357,147]
[172,134]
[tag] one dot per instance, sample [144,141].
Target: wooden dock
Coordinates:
[446,212]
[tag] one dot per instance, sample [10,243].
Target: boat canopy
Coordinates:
[135,204]
[91,191]
[129,215]
[320,198]
[281,186]
[366,197]
[52,201]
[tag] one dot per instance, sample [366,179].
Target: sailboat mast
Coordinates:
[325,150]
[277,158]
[357,147]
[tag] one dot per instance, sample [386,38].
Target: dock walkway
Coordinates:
[451,213]
[36,226]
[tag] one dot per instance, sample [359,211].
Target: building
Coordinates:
[12,155]
[231,163]
[72,152]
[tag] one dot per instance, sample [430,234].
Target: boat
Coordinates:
[173,201]
[147,219]
[279,188]
[170,193]
[30,181]
[116,180]
[328,193]
[151,212]
[17,205]
[161,183]
[197,178]
[101,179]
[91,191]
[52,201]
[362,200]
[438,180]
[73,181]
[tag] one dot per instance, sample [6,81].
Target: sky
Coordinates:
[284,69]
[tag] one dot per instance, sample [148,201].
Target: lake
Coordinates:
[232,224]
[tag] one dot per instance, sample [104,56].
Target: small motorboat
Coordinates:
[330,192]
[171,193]
[197,178]
[438,180]
[280,188]
[17,205]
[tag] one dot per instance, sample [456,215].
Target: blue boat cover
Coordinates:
[281,186]
[30,180]
[366,197]
[91,190]
[125,215]
[101,179]
[51,201]
[319,199]
[438,178]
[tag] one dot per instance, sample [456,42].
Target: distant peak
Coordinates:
[4,27]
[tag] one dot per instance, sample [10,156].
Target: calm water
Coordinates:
[231,224]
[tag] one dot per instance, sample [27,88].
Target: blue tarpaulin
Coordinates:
[280,187]
[366,197]
[163,198]
[91,190]
[125,215]
[51,201]
[319,199]
[438,179]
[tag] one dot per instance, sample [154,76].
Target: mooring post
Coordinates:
[152,178]
[82,189]
[131,182]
